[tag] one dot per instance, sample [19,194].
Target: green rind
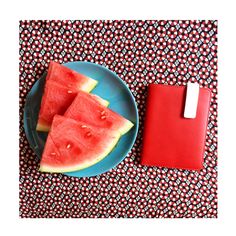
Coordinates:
[105,103]
[102,101]
[126,127]
[42,128]
[90,85]
[45,168]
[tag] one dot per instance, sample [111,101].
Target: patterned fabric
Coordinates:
[140,52]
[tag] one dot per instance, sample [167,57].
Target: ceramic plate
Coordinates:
[111,88]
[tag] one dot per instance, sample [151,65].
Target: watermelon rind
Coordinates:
[102,101]
[105,103]
[89,85]
[110,147]
[42,128]
[126,127]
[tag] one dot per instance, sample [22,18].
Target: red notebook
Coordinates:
[171,140]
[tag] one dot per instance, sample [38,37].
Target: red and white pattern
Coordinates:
[140,52]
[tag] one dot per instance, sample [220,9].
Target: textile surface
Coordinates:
[139,52]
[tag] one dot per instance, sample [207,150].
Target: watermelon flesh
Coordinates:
[69,78]
[73,145]
[92,112]
[56,100]
[61,87]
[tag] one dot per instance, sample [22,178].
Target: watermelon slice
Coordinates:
[88,110]
[61,87]
[73,145]
[69,78]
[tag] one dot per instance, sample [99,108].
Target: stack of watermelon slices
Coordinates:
[82,130]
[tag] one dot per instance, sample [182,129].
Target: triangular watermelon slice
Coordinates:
[73,145]
[69,78]
[90,111]
[61,87]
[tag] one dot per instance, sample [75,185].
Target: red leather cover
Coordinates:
[170,140]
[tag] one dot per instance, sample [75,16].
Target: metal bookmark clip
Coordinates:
[191,100]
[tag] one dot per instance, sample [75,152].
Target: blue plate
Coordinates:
[111,88]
